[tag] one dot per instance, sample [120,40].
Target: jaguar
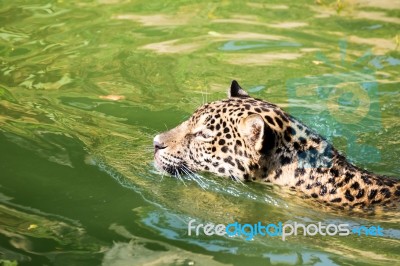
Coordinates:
[248,139]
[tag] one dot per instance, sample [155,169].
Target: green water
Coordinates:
[85,86]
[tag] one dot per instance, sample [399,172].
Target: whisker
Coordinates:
[162,175]
[188,174]
[190,177]
[237,179]
[193,176]
[206,94]
[196,179]
[179,176]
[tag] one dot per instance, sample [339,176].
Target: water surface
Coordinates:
[85,86]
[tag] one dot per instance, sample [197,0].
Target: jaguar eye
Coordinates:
[203,135]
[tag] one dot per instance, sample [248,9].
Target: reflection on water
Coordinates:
[84,87]
[139,251]
[59,237]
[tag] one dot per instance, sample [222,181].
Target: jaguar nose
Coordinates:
[157,144]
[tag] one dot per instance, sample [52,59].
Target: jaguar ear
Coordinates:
[236,90]
[252,128]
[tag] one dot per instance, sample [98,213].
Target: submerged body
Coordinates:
[249,139]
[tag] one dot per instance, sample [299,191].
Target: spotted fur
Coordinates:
[252,140]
